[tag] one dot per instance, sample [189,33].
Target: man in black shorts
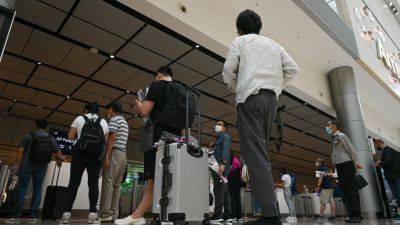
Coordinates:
[153,106]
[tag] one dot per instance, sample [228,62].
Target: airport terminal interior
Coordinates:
[63,54]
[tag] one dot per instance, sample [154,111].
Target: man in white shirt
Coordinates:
[257,69]
[87,154]
[286,185]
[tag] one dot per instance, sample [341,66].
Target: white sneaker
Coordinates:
[291,219]
[65,218]
[129,220]
[93,218]
[32,220]
[12,221]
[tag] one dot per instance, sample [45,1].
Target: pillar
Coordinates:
[10,4]
[349,113]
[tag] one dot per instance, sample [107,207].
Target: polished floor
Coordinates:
[299,221]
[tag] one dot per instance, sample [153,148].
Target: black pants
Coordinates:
[348,184]
[222,199]
[79,163]
[236,203]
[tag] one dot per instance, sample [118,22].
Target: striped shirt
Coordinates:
[119,127]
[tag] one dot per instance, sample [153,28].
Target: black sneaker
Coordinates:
[332,218]
[353,220]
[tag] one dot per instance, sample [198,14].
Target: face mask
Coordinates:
[328,131]
[218,128]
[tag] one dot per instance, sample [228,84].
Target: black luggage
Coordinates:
[54,199]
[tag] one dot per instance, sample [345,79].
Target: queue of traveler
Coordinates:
[257,69]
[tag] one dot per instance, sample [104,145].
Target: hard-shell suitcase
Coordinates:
[181,186]
[54,199]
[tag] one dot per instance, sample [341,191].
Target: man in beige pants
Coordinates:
[114,163]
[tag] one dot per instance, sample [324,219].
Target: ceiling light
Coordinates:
[39,63]
[112,56]
[94,50]
[127,91]
[197,46]
[390,3]
[67,97]
[14,100]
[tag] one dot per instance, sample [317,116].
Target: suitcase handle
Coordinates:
[54,173]
[196,92]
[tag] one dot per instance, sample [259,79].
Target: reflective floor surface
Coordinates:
[299,221]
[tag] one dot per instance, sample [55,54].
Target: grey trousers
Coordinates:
[255,118]
[111,184]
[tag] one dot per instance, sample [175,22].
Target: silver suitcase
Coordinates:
[185,183]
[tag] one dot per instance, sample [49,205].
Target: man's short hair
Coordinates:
[222,123]
[41,124]
[284,170]
[165,71]
[115,106]
[248,22]
[92,108]
[336,123]
[379,141]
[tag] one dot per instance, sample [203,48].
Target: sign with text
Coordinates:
[63,142]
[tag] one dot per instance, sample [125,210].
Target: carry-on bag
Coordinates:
[181,186]
[54,199]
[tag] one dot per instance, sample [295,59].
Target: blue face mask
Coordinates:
[329,131]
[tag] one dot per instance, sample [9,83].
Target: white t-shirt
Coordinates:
[80,121]
[287,180]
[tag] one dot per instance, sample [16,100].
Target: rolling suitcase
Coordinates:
[54,199]
[181,186]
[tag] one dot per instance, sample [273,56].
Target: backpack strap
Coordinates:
[98,120]
[86,118]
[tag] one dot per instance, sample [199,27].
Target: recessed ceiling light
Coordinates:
[390,3]
[67,97]
[197,46]
[14,100]
[94,50]
[127,91]
[39,63]
[112,56]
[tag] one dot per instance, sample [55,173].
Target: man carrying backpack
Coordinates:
[90,133]
[153,106]
[34,153]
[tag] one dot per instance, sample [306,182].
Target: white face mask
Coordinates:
[218,128]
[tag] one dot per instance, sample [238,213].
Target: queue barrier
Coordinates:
[130,199]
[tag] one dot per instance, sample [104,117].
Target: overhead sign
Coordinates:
[389,60]
[63,142]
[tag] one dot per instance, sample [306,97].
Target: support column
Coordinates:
[349,113]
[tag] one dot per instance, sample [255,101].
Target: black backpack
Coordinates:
[174,111]
[40,149]
[92,136]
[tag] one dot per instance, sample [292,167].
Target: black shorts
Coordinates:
[150,164]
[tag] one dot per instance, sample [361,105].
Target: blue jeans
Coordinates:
[394,185]
[37,173]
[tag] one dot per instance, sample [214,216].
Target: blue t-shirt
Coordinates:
[327,182]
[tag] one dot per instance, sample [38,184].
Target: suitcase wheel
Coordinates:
[180,222]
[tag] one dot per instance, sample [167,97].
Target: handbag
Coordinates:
[146,136]
[361,182]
